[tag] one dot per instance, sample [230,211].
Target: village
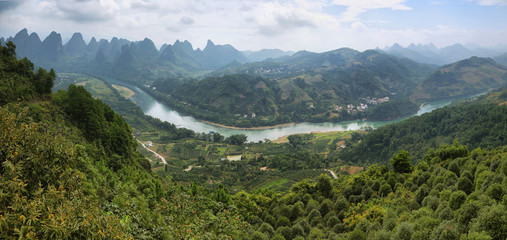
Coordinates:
[363,105]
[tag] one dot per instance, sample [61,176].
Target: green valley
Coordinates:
[72,166]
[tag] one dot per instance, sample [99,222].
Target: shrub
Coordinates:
[385,189]
[404,231]
[457,198]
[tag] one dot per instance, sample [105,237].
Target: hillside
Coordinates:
[464,78]
[305,87]
[70,170]
[501,59]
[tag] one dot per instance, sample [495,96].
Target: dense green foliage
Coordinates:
[19,81]
[422,203]
[69,170]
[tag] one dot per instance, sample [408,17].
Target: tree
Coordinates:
[324,184]
[217,137]
[385,189]
[201,160]
[401,162]
[295,140]
[404,231]
[259,236]
[493,221]
[237,139]
[466,185]
[457,198]
[221,194]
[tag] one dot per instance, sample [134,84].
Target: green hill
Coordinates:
[305,87]
[463,78]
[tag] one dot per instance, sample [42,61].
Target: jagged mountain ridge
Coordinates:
[106,56]
[430,54]
[180,56]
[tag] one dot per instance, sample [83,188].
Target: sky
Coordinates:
[318,25]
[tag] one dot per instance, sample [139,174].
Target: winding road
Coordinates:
[156,154]
[332,173]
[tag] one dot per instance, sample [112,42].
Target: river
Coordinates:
[152,107]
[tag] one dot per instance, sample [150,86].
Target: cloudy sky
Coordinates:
[317,25]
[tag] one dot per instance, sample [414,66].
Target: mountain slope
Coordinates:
[501,59]
[463,78]
[69,170]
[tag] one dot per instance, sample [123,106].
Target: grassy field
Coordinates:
[124,92]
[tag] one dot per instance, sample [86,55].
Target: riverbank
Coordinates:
[245,128]
[318,135]
[124,91]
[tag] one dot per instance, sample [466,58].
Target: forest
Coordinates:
[70,169]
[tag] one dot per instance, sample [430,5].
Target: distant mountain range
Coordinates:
[271,86]
[134,60]
[430,54]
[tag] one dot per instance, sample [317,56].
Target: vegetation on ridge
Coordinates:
[69,170]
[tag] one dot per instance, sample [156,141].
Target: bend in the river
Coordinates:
[152,107]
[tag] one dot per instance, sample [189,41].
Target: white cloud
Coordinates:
[356,7]
[187,20]
[315,25]
[85,10]
[275,18]
[492,2]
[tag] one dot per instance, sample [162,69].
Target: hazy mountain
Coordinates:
[32,47]
[76,46]
[20,38]
[92,49]
[100,57]
[417,53]
[171,60]
[455,52]
[393,71]
[168,54]
[501,59]
[144,50]
[216,56]
[115,46]
[263,54]
[52,46]
[462,78]
[432,55]
[424,48]
[126,58]
[184,49]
